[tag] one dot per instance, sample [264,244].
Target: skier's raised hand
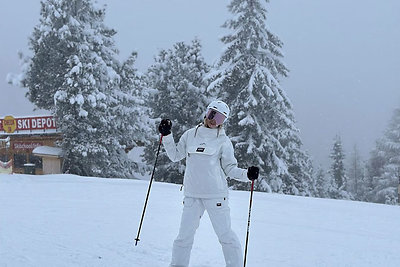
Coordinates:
[165,127]
[252,173]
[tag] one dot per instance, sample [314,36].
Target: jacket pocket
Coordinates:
[203,170]
[201,150]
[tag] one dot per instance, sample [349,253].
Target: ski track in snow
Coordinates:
[67,220]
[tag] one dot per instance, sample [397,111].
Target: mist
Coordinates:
[343,57]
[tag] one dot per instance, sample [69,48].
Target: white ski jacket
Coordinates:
[209,161]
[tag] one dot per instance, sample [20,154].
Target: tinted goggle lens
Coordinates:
[215,115]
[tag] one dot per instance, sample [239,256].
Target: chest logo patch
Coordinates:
[200,149]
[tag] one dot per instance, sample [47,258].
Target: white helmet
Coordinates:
[219,106]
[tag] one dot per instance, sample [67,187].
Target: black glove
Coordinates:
[165,127]
[252,173]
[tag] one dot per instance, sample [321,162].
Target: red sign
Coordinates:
[29,124]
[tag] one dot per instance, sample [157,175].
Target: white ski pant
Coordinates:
[219,213]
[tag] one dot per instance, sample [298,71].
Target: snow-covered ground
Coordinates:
[66,220]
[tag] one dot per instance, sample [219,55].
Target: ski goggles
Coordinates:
[215,115]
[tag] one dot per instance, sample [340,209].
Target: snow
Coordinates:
[61,95]
[48,150]
[79,99]
[76,69]
[67,220]
[5,140]
[83,113]
[136,154]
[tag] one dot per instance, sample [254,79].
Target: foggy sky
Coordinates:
[343,57]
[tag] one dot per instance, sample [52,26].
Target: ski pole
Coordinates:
[248,223]
[148,192]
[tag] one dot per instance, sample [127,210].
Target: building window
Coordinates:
[4,158]
[36,160]
[19,160]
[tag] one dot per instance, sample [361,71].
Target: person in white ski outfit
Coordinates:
[209,161]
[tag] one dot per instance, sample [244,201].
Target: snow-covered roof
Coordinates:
[48,151]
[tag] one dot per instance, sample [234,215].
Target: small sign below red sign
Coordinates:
[26,145]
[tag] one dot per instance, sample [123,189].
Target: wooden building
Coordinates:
[21,135]
[51,158]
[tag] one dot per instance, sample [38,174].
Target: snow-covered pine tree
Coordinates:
[73,72]
[338,171]
[131,113]
[355,174]
[374,169]
[261,125]
[83,100]
[177,77]
[386,179]
[365,184]
[323,183]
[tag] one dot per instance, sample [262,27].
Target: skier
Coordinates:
[209,160]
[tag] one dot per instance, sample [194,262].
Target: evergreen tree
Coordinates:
[83,99]
[261,124]
[74,73]
[386,176]
[323,184]
[374,169]
[177,80]
[130,114]
[365,184]
[355,174]
[338,171]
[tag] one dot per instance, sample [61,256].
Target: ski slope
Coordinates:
[67,220]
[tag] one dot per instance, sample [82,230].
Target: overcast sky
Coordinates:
[343,57]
